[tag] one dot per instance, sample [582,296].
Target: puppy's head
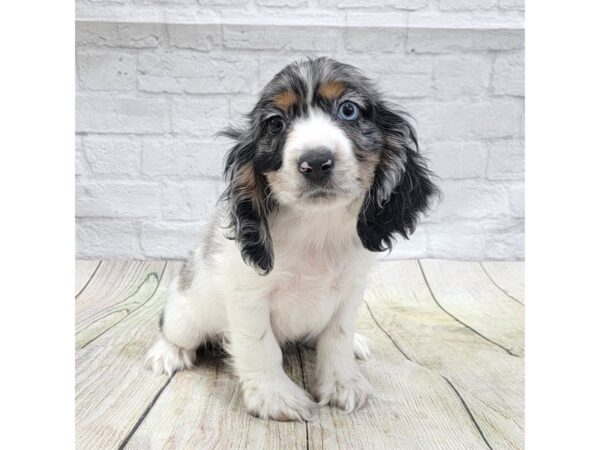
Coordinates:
[321,136]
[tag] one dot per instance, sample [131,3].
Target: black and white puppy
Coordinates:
[322,175]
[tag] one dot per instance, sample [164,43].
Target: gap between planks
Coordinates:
[88,280]
[470,328]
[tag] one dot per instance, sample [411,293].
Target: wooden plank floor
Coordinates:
[447,366]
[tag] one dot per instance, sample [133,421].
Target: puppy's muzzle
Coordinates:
[316,165]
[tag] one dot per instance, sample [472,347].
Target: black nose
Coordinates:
[316,165]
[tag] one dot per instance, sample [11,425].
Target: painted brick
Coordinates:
[240,105]
[464,237]
[184,158]
[374,40]
[414,247]
[107,239]
[112,155]
[408,5]
[284,3]
[455,76]
[397,75]
[195,37]
[456,160]
[97,34]
[117,199]
[473,199]
[515,5]
[461,120]
[509,75]
[223,3]
[200,116]
[466,5]
[184,71]
[169,239]
[516,195]
[104,114]
[106,71]
[428,40]
[507,243]
[81,165]
[142,35]
[279,38]
[195,200]
[506,161]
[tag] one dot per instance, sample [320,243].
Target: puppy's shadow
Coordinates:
[298,360]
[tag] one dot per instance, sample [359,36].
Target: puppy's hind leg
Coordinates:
[175,348]
[187,321]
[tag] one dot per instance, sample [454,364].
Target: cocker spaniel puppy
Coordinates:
[323,174]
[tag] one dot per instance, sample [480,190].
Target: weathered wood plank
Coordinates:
[203,409]
[453,389]
[84,271]
[113,388]
[490,381]
[412,406]
[509,276]
[117,289]
[464,291]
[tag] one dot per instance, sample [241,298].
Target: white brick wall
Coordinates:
[156,79]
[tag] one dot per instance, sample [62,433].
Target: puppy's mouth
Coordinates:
[320,193]
[324,193]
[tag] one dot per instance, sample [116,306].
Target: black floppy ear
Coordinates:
[402,188]
[247,197]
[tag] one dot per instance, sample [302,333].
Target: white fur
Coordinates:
[165,357]
[312,293]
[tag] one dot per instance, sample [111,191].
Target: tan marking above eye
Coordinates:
[285,100]
[331,89]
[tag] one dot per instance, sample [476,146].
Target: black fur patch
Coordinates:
[391,209]
[249,207]
[400,214]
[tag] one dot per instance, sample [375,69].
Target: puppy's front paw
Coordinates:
[348,393]
[278,400]
[167,358]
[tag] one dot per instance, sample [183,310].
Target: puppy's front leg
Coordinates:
[257,359]
[339,381]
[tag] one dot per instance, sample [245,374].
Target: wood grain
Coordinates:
[411,407]
[490,381]
[465,292]
[113,388]
[509,276]
[117,289]
[438,384]
[84,271]
[203,409]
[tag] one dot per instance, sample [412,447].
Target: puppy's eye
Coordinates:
[348,111]
[276,125]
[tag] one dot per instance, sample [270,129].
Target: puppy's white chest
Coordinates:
[302,304]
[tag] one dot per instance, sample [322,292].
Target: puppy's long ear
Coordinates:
[247,197]
[402,188]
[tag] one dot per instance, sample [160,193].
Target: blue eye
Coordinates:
[348,111]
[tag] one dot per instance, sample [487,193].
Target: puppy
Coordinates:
[323,173]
